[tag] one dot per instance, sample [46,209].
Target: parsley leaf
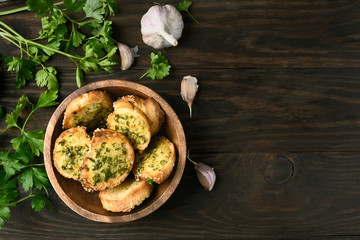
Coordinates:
[47,77]
[160,67]
[11,165]
[25,70]
[36,141]
[93,48]
[27,180]
[40,6]
[94,9]
[40,178]
[23,153]
[90,64]
[184,6]
[53,28]
[150,181]
[75,39]
[38,54]
[4,214]
[12,118]
[74,5]
[111,7]
[34,177]
[39,202]
[46,99]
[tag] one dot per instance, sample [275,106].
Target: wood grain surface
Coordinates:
[277,115]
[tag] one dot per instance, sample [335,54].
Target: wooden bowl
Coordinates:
[88,204]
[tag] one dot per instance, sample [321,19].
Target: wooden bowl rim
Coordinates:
[58,113]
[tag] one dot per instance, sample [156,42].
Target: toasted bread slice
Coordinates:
[89,109]
[69,151]
[151,109]
[130,121]
[156,162]
[109,161]
[127,195]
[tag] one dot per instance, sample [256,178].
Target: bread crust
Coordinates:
[151,109]
[127,195]
[89,109]
[69,151]
[131,121]
[108,162]
[156,162]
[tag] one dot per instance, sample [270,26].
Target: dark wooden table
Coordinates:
[277,115]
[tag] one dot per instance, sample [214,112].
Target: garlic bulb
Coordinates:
[127,55]
[189,88]
[205,174]
[161,26]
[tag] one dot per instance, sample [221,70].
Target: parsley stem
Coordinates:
[144,75]
[38,165]
[10,29]
[24,198]
[51,49]
[16,10]
[27,119]
[192,17]
[10,40]
[65,15]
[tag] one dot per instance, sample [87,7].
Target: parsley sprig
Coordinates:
[19,164]
[160,67]
[62,34]
[184,6]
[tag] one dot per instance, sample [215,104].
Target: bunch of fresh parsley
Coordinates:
[19,164]
[62,34]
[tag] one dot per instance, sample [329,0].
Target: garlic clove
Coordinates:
[189,87]
[127,55]
[205,174]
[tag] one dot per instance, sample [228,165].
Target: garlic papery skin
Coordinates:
[161,26]
[189,87]
[127,55]
[205,174]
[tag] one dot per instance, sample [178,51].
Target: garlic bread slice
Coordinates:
[69,151]
[89,109]
[151,109]
[156,162]
[108,162]
[127,195]
[155,115]
[131,121]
